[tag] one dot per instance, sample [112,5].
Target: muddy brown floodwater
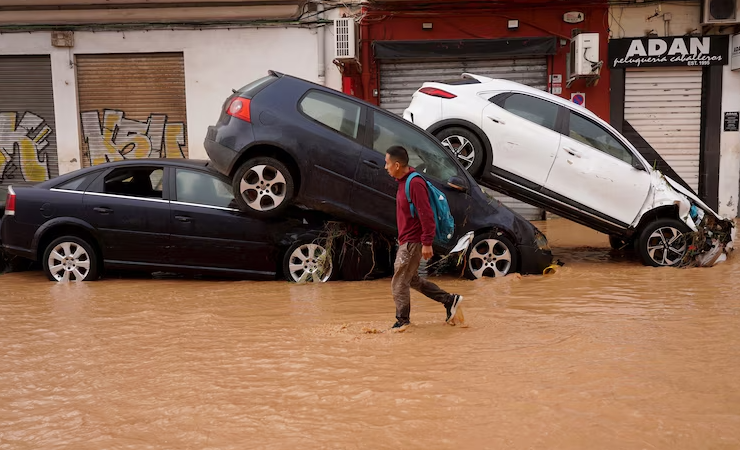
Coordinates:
[604,354]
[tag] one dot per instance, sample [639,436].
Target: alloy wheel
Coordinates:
[666,246]
[310,262]
[462,148]
[490,257]
[69,261]
[263,187]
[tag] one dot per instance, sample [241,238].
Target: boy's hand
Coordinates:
[426,251]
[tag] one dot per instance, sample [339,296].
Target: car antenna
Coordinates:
[233,90]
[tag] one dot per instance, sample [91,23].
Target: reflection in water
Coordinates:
[606,353]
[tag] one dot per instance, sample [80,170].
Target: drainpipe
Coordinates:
[320,36]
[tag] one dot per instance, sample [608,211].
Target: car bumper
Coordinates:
[16,238]
[534,260]
[221,156]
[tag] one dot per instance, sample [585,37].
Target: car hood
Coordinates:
[675,185]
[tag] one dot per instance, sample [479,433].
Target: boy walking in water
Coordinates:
[415,237]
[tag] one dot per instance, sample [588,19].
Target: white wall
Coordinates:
[632,20]
[216,61]
[729,171]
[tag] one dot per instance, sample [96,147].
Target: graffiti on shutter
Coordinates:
[116,137]
[23,142]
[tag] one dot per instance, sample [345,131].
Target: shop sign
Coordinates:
[735,58]
[574,17]
[731,121]
[669,51]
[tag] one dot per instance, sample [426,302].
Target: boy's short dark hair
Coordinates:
[398,153]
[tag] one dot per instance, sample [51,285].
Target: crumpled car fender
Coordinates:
[663,192]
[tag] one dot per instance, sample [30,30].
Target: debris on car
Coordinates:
[710,241]
[709,237]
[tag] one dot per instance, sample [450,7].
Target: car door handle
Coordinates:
[102,210]
[497,120]
[185,219]
[370,163]
[570,151]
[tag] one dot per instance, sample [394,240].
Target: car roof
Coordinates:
[487,83]
[177,162]
[336,92]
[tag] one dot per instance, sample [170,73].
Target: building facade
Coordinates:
[672,86]
[83,86]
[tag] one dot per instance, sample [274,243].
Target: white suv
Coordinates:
[554,154]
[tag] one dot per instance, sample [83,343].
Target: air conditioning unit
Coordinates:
[345,39]
[584,55]
[720,12]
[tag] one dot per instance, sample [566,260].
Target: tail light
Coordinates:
[434,92]
[239,108]
[10,202]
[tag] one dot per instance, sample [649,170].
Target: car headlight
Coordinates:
[541,241]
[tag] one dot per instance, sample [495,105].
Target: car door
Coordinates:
[522,130]
[209,232]
[337,132]
[130,209]
[374,192]
[593,169]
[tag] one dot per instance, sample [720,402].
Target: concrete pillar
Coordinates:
[729,172]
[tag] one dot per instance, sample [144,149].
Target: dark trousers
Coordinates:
[406,276]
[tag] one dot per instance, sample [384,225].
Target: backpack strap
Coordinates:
[408,195]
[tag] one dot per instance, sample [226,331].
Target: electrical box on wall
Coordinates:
[584,55]
[345,38]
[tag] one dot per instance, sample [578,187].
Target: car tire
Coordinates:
[263,187]
[662,243]
[70,258]
[308,260]
[459,140]
[491,255]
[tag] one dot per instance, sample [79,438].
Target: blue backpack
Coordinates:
[445,223]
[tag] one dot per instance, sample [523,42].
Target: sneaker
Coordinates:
[400,326]
[452,307]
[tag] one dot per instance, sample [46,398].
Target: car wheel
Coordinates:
[662,243]
[263,187]
[465,145]
[491,255]
[70,258]
[308,260]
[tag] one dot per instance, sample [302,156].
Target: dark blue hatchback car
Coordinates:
[283,140]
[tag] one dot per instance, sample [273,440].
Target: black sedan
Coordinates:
[283,141]
[176,216]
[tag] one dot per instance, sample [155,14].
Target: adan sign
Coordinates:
[669,51]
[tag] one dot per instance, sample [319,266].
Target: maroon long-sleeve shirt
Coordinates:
[421,228]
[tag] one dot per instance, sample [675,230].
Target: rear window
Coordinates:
[462,82]
[255,86]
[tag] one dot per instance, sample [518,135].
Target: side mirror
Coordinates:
[457,183]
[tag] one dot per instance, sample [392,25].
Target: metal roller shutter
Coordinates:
[399,81]
[132,106]
[28,145]
[664,106]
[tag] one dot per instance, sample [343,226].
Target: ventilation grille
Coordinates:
[346,42]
